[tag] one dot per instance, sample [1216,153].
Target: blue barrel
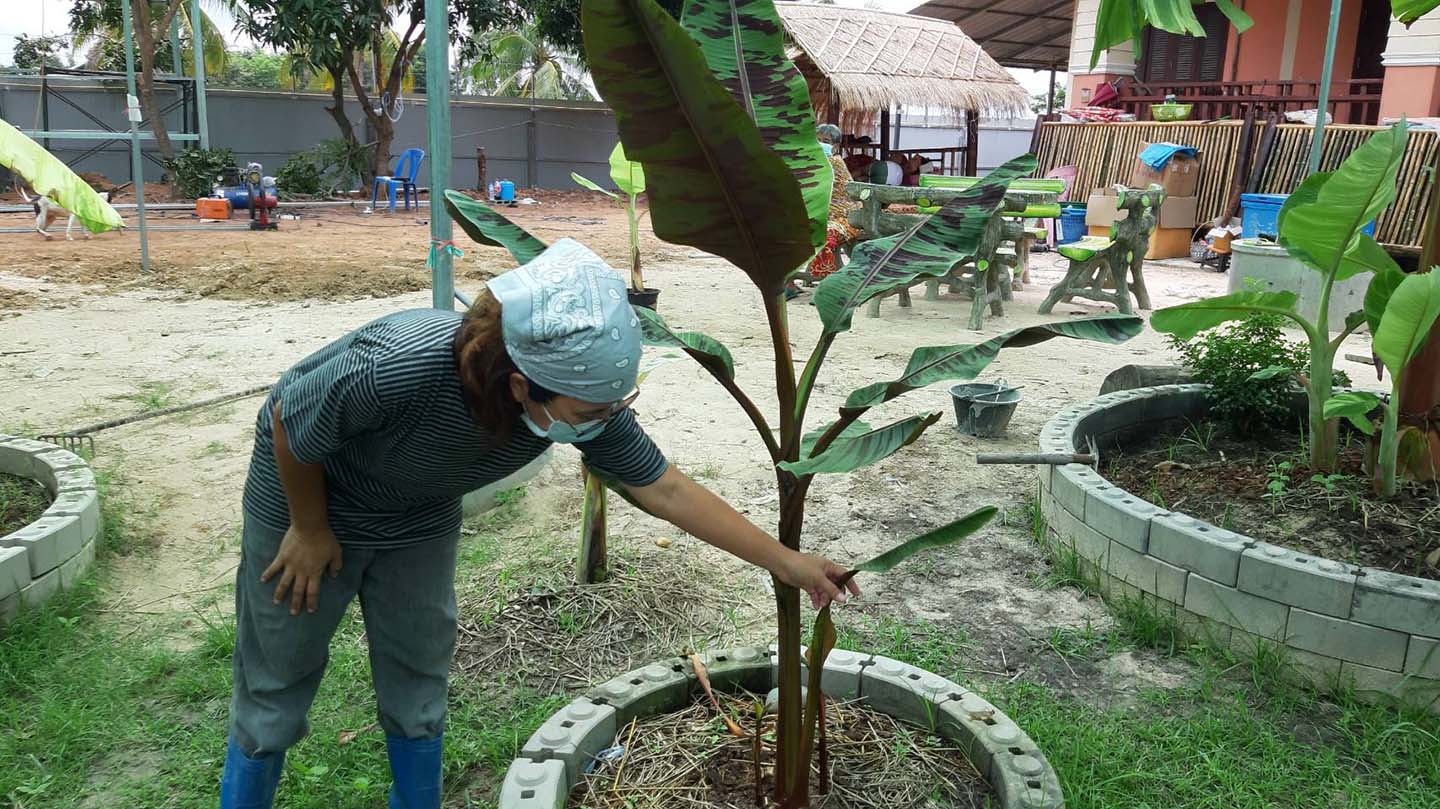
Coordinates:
[507,191]
[1072,222]
[1260,215]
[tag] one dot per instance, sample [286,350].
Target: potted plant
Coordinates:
[629,177]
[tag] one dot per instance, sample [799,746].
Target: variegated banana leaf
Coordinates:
[713,183]
[855,428]
[947,238]
[932,364]
[744,44]
[704,349]
[481,223]
[846,454]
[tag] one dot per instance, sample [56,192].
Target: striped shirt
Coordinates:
[382,410]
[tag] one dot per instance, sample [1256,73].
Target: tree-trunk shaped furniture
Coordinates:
[1097,262]
[988,279]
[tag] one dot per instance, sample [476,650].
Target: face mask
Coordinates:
[563,432]
[827,148]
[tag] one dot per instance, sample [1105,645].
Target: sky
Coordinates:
[39,17]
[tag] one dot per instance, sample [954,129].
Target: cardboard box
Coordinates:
[1164,242]
[1180,177]
[1101,209]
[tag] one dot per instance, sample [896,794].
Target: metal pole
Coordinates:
[137,168]
[177,58]
[437,112]
[197,45]
[1318,141]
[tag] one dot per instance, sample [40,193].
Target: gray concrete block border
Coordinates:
[556,757]
[53,552]
[1344,627]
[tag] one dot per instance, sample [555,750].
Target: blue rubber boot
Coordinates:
[415,766]
[249,783]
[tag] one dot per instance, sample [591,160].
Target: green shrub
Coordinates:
[1227,359]
[299,175]
[332,166]
[195,171]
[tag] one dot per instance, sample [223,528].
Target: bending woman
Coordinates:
[362,454]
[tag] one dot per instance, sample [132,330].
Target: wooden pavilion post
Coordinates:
[972,142]
[885,134]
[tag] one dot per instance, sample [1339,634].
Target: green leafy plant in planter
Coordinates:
[1400,310]
[1228,359]
[721,121]
[1320,226]
[629,177]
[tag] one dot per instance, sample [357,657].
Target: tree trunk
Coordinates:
[145,79]
[1420,387]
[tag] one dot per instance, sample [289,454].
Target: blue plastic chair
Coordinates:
[407,170]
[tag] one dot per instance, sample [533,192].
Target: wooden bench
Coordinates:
[987,279]
[1110,269]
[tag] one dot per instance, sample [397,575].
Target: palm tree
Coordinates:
[520,62]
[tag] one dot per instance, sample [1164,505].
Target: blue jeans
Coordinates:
[407,597]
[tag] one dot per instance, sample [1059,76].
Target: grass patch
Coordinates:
[154,396]
[22,501]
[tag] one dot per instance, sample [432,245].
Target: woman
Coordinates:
[362,453]
[839,231]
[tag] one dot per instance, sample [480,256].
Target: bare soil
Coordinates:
[1263,486]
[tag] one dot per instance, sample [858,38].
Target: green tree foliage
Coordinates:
[520,62]
[31,52]
[253,70]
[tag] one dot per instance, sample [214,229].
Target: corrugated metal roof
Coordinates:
[1016,33]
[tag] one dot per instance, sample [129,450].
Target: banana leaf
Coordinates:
[855,428]
[1377,296]
[481,223]
[1356,406]
[627,175]
[706,350]
[1320,222]
[585,182]
[1408,11]
[1119,21]
[713,183]
[1409,316]
[1187,320]
[932,364]
[744,44]
[940,537]
[50,177]
[846,454]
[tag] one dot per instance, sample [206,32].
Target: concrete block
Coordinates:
[574,735]
[17,455]
[1423,657]
[906,692]
[1402,603]
[744,667]
[72,480]
[41,589]
[1256,615]
[73,569]
[1089,544]
[1162,580]
[1346,640]
[1196,546]
[1388,686]
[48,465]
[978,728]
[1070,483]
[82,504]
[9,608]
[1308,668]
[14,570]
[534,785]
[1205,631]
[1120,515]
[842,674]
[653,689]
[1017,777]
[1308,582]
[49,541]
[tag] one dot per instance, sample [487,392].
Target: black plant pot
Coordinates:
[647,299]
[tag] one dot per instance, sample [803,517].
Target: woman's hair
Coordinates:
[830,131]
[485,369]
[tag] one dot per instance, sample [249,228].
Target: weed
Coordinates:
[1277,482]
[154,396]
[22,501]
[215,449]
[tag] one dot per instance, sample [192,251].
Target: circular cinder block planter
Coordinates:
[54,551]
[553,761]
[1337,625]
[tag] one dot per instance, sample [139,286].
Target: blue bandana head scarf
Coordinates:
[568,325]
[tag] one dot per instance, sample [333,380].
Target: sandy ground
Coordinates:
[88,349]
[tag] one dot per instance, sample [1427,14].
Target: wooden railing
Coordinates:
[1356,101]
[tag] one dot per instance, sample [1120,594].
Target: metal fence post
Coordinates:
[137,168]
[199,53]
[437,113]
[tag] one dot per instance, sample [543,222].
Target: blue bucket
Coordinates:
[1072,222]
[1260,216]
[507,191]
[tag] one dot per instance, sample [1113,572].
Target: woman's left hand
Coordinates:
[817,576]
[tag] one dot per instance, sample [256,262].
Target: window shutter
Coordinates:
[1173,58]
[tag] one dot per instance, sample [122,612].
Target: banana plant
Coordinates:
[629,177]
[1321,225]
[721,120]
[1400,310]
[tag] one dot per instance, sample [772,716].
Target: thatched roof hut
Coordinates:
[865,61]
